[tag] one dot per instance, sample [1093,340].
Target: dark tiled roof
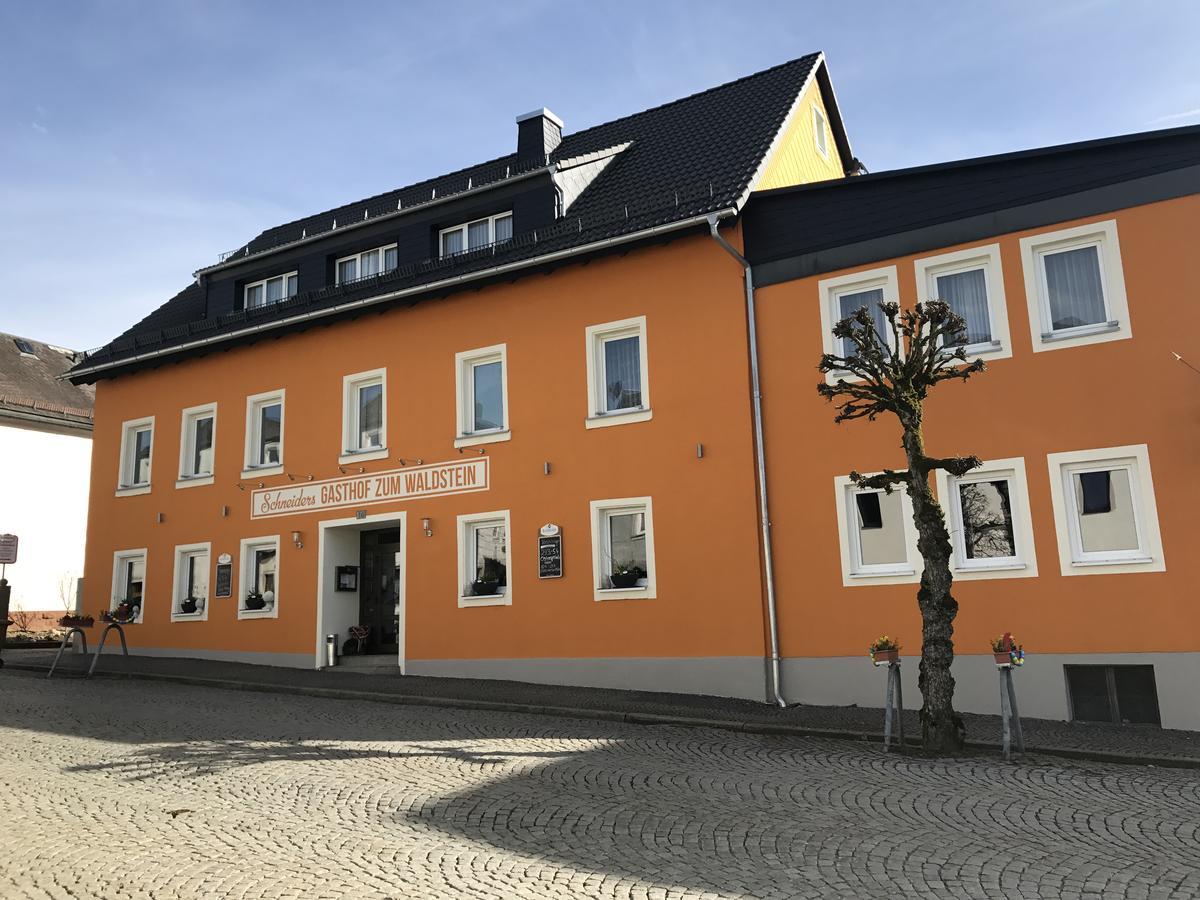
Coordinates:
[686,158]
[31,390]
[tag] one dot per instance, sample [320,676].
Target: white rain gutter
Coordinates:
[774,686]
[431,287]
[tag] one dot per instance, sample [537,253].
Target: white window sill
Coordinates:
[620,417]
[353,456]
[484,600]
[133,490]
[262,471]
[483,437]
[187,481]
[998,567]
[884,573]
[1114,561]
[187,617]
[983,348]
[1066,334]
[633,593]
[271,613]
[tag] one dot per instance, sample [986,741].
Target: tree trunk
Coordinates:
[942,729]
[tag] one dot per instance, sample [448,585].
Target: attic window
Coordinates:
[473,235]
[819,133]
[24,346]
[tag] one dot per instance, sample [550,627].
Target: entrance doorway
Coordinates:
[379,589]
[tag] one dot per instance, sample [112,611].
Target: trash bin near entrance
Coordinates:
[331,650]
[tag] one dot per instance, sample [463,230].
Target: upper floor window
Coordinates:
[844,295]
[137,441]
[1075,286]
[618,380]
[197,444]
[481,378]
[264,430]
[473,235]
[971,283]
[364,415]
[820,134]
[271,290]
[367,263]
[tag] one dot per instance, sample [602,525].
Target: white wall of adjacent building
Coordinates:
[43,500]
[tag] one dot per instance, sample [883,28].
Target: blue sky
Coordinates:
[138,140]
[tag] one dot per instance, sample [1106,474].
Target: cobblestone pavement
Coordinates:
[130,789]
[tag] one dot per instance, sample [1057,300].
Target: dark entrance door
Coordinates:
[378,589]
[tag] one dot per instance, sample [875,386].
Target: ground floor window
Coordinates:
[485,577]
[623,548]
[1113,694]
[129,580]
[259,589]
[189,600]
[987,512]
[877,535]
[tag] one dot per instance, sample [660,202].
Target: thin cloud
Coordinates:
[1174,117]
[39,128]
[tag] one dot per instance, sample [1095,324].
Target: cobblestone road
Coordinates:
[119,789]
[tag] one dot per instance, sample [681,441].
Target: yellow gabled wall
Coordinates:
[796,159]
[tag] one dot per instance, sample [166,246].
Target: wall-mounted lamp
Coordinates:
[296,540]
[224,511]
[241,487]
[546,468]
[161,518]
[427,525]
[699,451]
[410,462]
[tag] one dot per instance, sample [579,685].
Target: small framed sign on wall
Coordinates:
[224,585]
[550,555]
[347,578]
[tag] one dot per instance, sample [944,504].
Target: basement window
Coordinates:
[1116,694]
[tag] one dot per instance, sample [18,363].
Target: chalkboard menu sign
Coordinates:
[224,580]
[550,559]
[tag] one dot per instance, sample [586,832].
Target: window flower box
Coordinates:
[884,651]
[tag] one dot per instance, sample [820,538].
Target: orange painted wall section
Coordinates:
[1102,395]
[796,159]
[708,597]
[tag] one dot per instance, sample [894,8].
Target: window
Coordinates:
[1113,694]
[364,416]
[258,590]
[25,348]
[137,443]
[1105,511]
[844,295]
[189,600]
[366,264]
[481,382]
[618,379]
[987,513]
[485,574]
[129,581]
[972,283]
[264,434]
[820,135]
[271,290]
[1075,286]
[623,549]
[197,445]
[473,235]
[878,538]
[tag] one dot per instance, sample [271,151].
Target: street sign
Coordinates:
[8,548]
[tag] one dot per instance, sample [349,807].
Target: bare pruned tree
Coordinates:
[890,368]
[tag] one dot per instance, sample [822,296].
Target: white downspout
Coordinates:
[775,687]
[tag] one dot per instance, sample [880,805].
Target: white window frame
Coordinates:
[115,597]
[598,415]
[177,585]
[831,289]
[466,558]
[254,404]
[601,555]
[350,431]
[1024,564]
[464,393]
[357,257]
[187,432]
[820,133]
[1116,327]
[854,572]
[1072,558]
[462,226]
[126,487]
[987,258]
[246,549]
[262,283]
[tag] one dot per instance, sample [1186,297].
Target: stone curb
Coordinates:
[633,718]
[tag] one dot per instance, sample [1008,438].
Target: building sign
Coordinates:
[550,558]
[8,548]
[224,578]
[390,486]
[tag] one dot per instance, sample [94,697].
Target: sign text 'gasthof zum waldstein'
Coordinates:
[459,477]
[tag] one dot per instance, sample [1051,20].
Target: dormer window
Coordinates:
[495,229]
[366,264]
[271,290]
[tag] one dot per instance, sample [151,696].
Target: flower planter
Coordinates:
[1003,659]
[77,622]
[886,656]
[485,588]
[625,579]
[188,607]
[255,602]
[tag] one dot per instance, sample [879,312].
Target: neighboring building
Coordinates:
[45,463]
[368,416]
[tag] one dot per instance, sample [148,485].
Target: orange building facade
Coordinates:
[552,475]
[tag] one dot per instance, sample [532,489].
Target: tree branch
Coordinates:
[955,465]
[886,479]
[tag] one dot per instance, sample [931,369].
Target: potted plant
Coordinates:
[254,600]
[1007,652]
[188,606]
[884,650]
[485,587]
[70,620]
[124,613]
[626,575]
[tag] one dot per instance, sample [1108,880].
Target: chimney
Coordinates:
[538,133]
